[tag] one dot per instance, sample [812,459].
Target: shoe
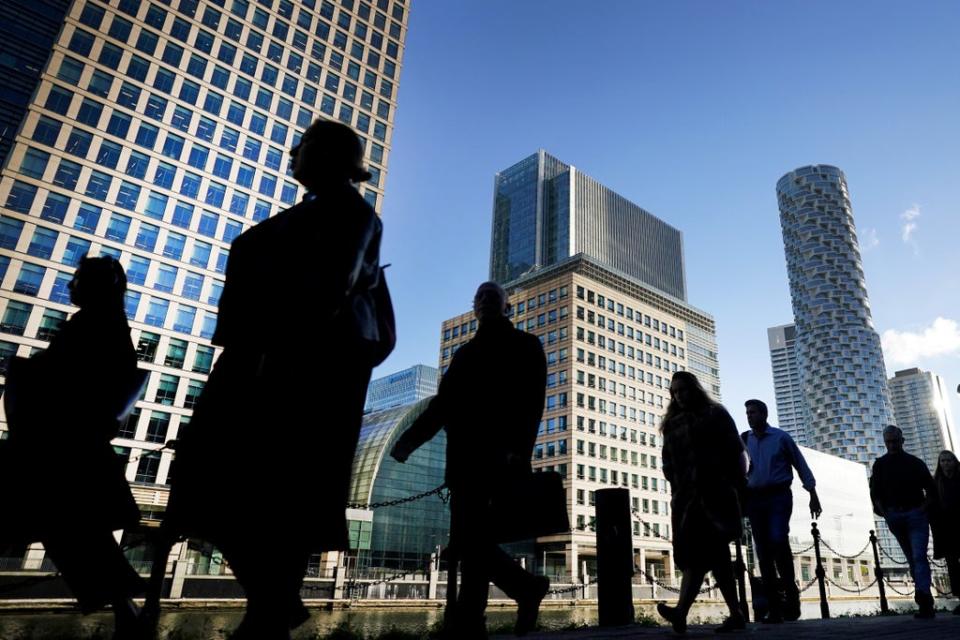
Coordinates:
[791,607]
[926,610]
[731,624]
[772,618]
[672,615]
[529,608]
[956,611]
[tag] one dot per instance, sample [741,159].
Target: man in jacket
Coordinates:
[490,401]
[773,456]
[902,491]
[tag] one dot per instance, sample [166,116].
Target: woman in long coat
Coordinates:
[63,407]
[703,461]
[263,470]
[946,518]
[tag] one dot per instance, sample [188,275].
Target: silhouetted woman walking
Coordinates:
[946,518]
[703,461]
[63,411]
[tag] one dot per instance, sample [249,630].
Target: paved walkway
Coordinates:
[904,626]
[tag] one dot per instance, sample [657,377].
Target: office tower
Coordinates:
[545,211]
[791,410]
[922,408]
[402,387]
[838,350]
[612,344]
[158,132]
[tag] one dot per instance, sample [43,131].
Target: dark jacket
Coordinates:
[490,402]
[945,517]
[900,481]
[274,431]
[702,460]
[59,455]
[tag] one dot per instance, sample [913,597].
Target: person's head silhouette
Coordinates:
[329,153]
[97,283]
[490,302]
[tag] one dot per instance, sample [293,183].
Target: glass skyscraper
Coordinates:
[545,211]
[838,350]
[922,408]
[157,132]
[791,408]
[400,388]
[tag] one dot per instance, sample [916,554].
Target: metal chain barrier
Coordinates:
[652,580]
[891,558]
[441,491]
[808,585]
[857,590]
[840,555]
[571,589]
[648,527]
[897,591]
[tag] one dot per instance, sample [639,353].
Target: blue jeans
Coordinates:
[912,530]
[769,512]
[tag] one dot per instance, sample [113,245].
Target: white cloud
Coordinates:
[909,218]
[869,239]
[906,347]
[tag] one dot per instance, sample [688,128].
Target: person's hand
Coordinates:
[815,508]
[400,451]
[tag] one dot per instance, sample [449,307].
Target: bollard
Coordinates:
[741,570]
[878,572]
[614,558]
[449,612]
[821,574]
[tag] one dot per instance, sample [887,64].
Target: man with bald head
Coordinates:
[490,402]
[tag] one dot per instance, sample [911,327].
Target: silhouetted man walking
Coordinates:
[490,401]
[902,491]
[773,456]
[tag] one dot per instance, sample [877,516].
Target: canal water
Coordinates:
[371,622]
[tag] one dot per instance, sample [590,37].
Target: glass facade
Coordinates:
[922,408]
[402,536]
[838,350]
[400,388]
[158,132]
[791,408]
[546,211]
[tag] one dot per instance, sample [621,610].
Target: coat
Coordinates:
[702,459]
[59,457]
[945,517]
[490,401]
[274,431]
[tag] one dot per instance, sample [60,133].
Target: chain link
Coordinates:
[857,590]
[440,491]
[803,551]
[648,527]
[571,589]
[840,555]
[891,558]
[653,580]
[808,585]
[897,591]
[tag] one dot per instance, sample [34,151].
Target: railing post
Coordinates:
[614,558]
[741,570]
[821,574]
[878,572]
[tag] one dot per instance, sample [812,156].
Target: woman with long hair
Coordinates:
[703,461]
[946,518]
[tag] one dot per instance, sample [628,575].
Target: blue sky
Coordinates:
[692,110]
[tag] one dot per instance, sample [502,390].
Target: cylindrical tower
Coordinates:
[838,350]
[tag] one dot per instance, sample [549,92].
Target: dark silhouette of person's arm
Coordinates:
[234,303]
[534,380]
[355,242]
[875,490]
[434,417]
[929,487]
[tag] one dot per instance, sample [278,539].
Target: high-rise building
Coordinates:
[157,133]
[27,34]
[838,350]
[791,409]
[400,388]
[545,211]
[612,344]
[922,407]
